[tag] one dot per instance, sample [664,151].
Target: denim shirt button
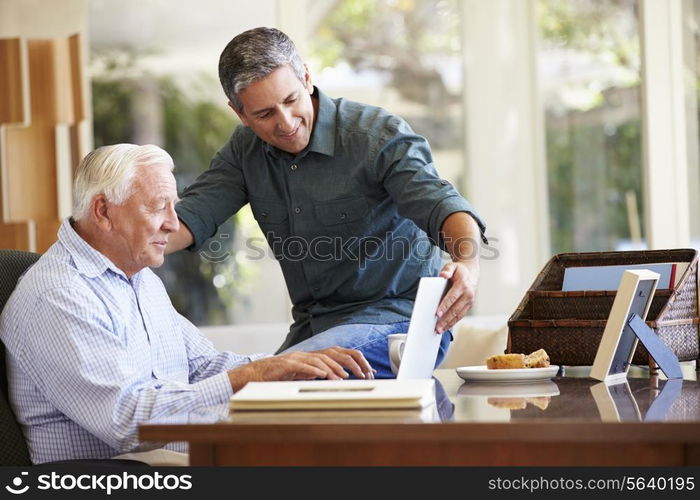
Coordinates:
[297,210]
[293,167]
[343,215]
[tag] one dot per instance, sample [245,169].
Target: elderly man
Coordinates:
[94,345]
[347,196]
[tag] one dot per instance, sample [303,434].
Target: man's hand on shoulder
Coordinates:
[464,277]
[329,363]
[180,239]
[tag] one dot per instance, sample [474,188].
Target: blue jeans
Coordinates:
[370,339]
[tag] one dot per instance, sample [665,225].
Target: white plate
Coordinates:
[483,374]
[532,389]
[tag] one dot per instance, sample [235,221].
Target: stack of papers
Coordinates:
[608,277]
[334,395]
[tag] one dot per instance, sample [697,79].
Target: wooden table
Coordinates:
[472,424]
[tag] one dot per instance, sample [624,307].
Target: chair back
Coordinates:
[14,448]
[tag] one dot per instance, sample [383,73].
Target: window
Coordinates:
[154,80]
[403,56]
[692,58]
[589,73]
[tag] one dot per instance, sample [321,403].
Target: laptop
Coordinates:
[422,343]
[417,362]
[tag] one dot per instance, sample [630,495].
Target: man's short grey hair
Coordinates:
[253,55]
[110,170]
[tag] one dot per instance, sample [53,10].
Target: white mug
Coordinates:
[397,342]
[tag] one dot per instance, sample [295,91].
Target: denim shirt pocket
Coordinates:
[342,211]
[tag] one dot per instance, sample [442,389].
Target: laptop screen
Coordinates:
[422,343]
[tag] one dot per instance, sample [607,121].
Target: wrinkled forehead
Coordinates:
[155,181]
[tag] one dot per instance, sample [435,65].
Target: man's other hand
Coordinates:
[180,239]
[460,296]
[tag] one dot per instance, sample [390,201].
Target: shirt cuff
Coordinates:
[215,390]
[199,229]
[260,355]
[447,207]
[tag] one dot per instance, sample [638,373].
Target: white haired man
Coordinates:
[94,346]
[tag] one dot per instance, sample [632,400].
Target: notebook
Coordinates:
[334,395]
[426,414]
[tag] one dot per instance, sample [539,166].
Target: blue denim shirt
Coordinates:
[353,218]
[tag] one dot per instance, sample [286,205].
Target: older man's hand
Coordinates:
[329,363]
[459,298]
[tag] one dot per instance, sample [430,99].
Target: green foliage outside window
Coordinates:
[594,148]
[592,161]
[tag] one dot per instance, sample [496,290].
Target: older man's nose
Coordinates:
[171,223]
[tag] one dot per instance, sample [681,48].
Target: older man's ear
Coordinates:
[99,212]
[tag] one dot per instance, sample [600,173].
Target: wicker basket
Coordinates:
[569,325]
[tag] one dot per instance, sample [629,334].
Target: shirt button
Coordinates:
[293,167]
[297,210]
[264,214]
[316,289]
[444,182]
[343,215]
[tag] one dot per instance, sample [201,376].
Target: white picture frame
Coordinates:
[634,296]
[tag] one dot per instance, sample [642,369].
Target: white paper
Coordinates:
[608,277]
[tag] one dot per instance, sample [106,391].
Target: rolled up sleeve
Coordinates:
[217,194]
[406,169]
